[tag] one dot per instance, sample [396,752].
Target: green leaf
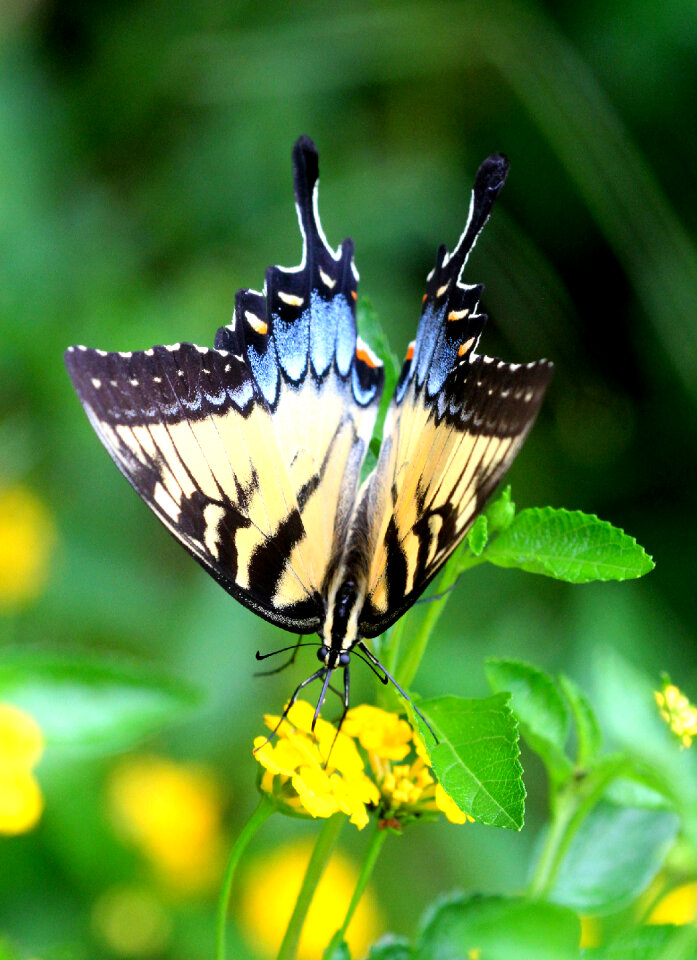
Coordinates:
[476,758]
[89,702]
[390,947]
[649,943]
[568,545]
[478,535]
[587,727]
[371,331]
[495,928]
[613,857]
[540,709]
[500,512]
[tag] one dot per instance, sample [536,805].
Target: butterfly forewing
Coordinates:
[250,453]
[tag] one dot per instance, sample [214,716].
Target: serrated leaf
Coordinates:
[476,758]
[568,545]
[496,928]
[478,535]
[613,857]
[540,708]
[588,731]
[90,702]
[390,947]
[649,943]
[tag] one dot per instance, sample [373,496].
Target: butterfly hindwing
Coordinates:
[250,452]
[455,424]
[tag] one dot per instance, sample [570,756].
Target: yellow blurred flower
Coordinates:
[324,773]
[679,906]
[27,537]
[172,812]
[132,922]
[269,892]
[21,746]
[590,932]
[678,713]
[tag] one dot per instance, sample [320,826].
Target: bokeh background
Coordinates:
[144,177]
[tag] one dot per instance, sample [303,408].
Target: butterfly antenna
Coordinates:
[265,656]
[371,656]
[315,676]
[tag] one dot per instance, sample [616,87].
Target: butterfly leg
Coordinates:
[371,656]
[347,700]
[321,698]
[318,675]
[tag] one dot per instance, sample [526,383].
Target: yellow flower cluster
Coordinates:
[21,746]
[172,812]
[678,713]
[298,776]
[325,773]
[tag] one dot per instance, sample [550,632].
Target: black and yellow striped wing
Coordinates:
[455,424]
[250,452]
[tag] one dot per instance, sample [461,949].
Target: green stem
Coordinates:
[572,807]
[262,813]
[321,854]
[369,861]
[544,873]
[417,647]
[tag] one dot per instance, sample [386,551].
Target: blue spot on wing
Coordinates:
[265,370]
[324,321]
[292,341]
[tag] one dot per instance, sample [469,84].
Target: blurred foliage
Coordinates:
[145,176]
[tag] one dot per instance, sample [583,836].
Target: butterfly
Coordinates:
[250,452]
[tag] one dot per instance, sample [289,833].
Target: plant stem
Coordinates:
[573,805]
[544,873]
[262,813]
[369,861]
[321,854]
[416,647]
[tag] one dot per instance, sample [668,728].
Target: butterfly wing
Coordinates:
[454,426]
[250,452]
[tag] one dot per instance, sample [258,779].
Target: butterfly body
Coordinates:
[250,452]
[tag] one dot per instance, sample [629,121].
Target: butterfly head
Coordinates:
[332,657]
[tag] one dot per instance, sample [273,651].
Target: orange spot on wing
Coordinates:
[424,298]
[366,358]
[354,295]
[410,352]
[463,350]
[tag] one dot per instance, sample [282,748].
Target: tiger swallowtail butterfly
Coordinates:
[250,452]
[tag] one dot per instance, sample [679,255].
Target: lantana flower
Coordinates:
[323,773]
[21,747]
[678,713]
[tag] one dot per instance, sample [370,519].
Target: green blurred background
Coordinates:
[145,176]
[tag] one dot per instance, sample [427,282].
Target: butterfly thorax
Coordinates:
[339,632]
